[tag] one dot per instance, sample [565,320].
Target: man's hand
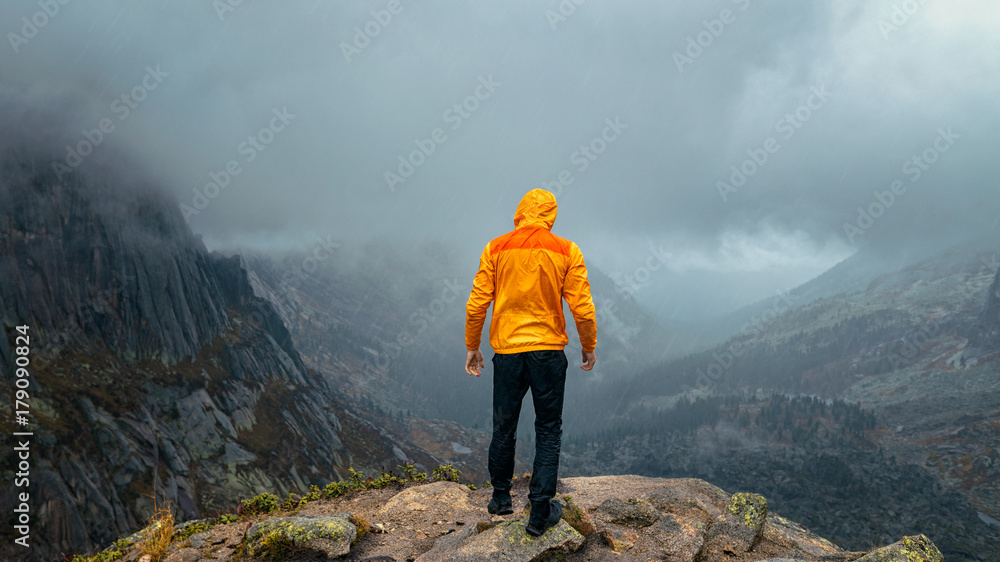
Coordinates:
[589,359]
[474,362]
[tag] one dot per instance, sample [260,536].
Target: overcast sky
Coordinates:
[666,98]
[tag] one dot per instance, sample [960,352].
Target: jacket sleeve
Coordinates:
[479,300]
[576,291]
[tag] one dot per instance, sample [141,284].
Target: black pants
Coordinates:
[544,372]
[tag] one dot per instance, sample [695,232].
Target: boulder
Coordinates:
[437,498]
[634,512]
[791,535]
[197,540]
[911,549]
[331,535]
[619,541]
[739,528]
[184,555]
[680,539]
[507,541]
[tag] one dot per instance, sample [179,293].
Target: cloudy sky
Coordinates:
[737,137]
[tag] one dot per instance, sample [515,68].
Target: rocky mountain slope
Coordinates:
[155,369]
[400,319]
[604,518]
[916,348]
[810,458]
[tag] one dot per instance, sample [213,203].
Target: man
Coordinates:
[527,273]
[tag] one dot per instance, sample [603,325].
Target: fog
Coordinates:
[751,145]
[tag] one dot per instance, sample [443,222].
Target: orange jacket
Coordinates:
[526,273]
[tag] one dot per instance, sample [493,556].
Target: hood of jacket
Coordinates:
[537,208]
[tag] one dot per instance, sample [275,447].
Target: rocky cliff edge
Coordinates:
[619,518]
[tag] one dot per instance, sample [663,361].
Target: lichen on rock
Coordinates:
[917,548]
[740,526]
[330,534]
[751,507]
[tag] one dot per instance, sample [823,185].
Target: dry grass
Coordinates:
[363,526]
[158,534]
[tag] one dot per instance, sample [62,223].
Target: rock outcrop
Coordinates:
[329,535]
[618,518]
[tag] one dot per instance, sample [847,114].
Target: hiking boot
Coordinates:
[538,525]
[500,505]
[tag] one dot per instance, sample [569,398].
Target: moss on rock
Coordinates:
[752,508]
[917,548]
[277,538]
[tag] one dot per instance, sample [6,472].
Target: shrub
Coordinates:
[447,473]
[264,503]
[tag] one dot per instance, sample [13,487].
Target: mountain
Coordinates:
[400,319]
[915,348]
[154,370]
[851,275]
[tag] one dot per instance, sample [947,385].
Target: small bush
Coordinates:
[410,472]
[314,494]
[294,501]
[335,489]
[264,503]
[447,473]
[199,527]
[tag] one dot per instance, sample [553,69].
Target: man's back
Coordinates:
[527,273]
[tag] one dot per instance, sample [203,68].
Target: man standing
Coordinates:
[527,273]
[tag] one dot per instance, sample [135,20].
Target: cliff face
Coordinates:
[153,366]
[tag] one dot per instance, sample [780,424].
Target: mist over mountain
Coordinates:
[241,237]
[156,374]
